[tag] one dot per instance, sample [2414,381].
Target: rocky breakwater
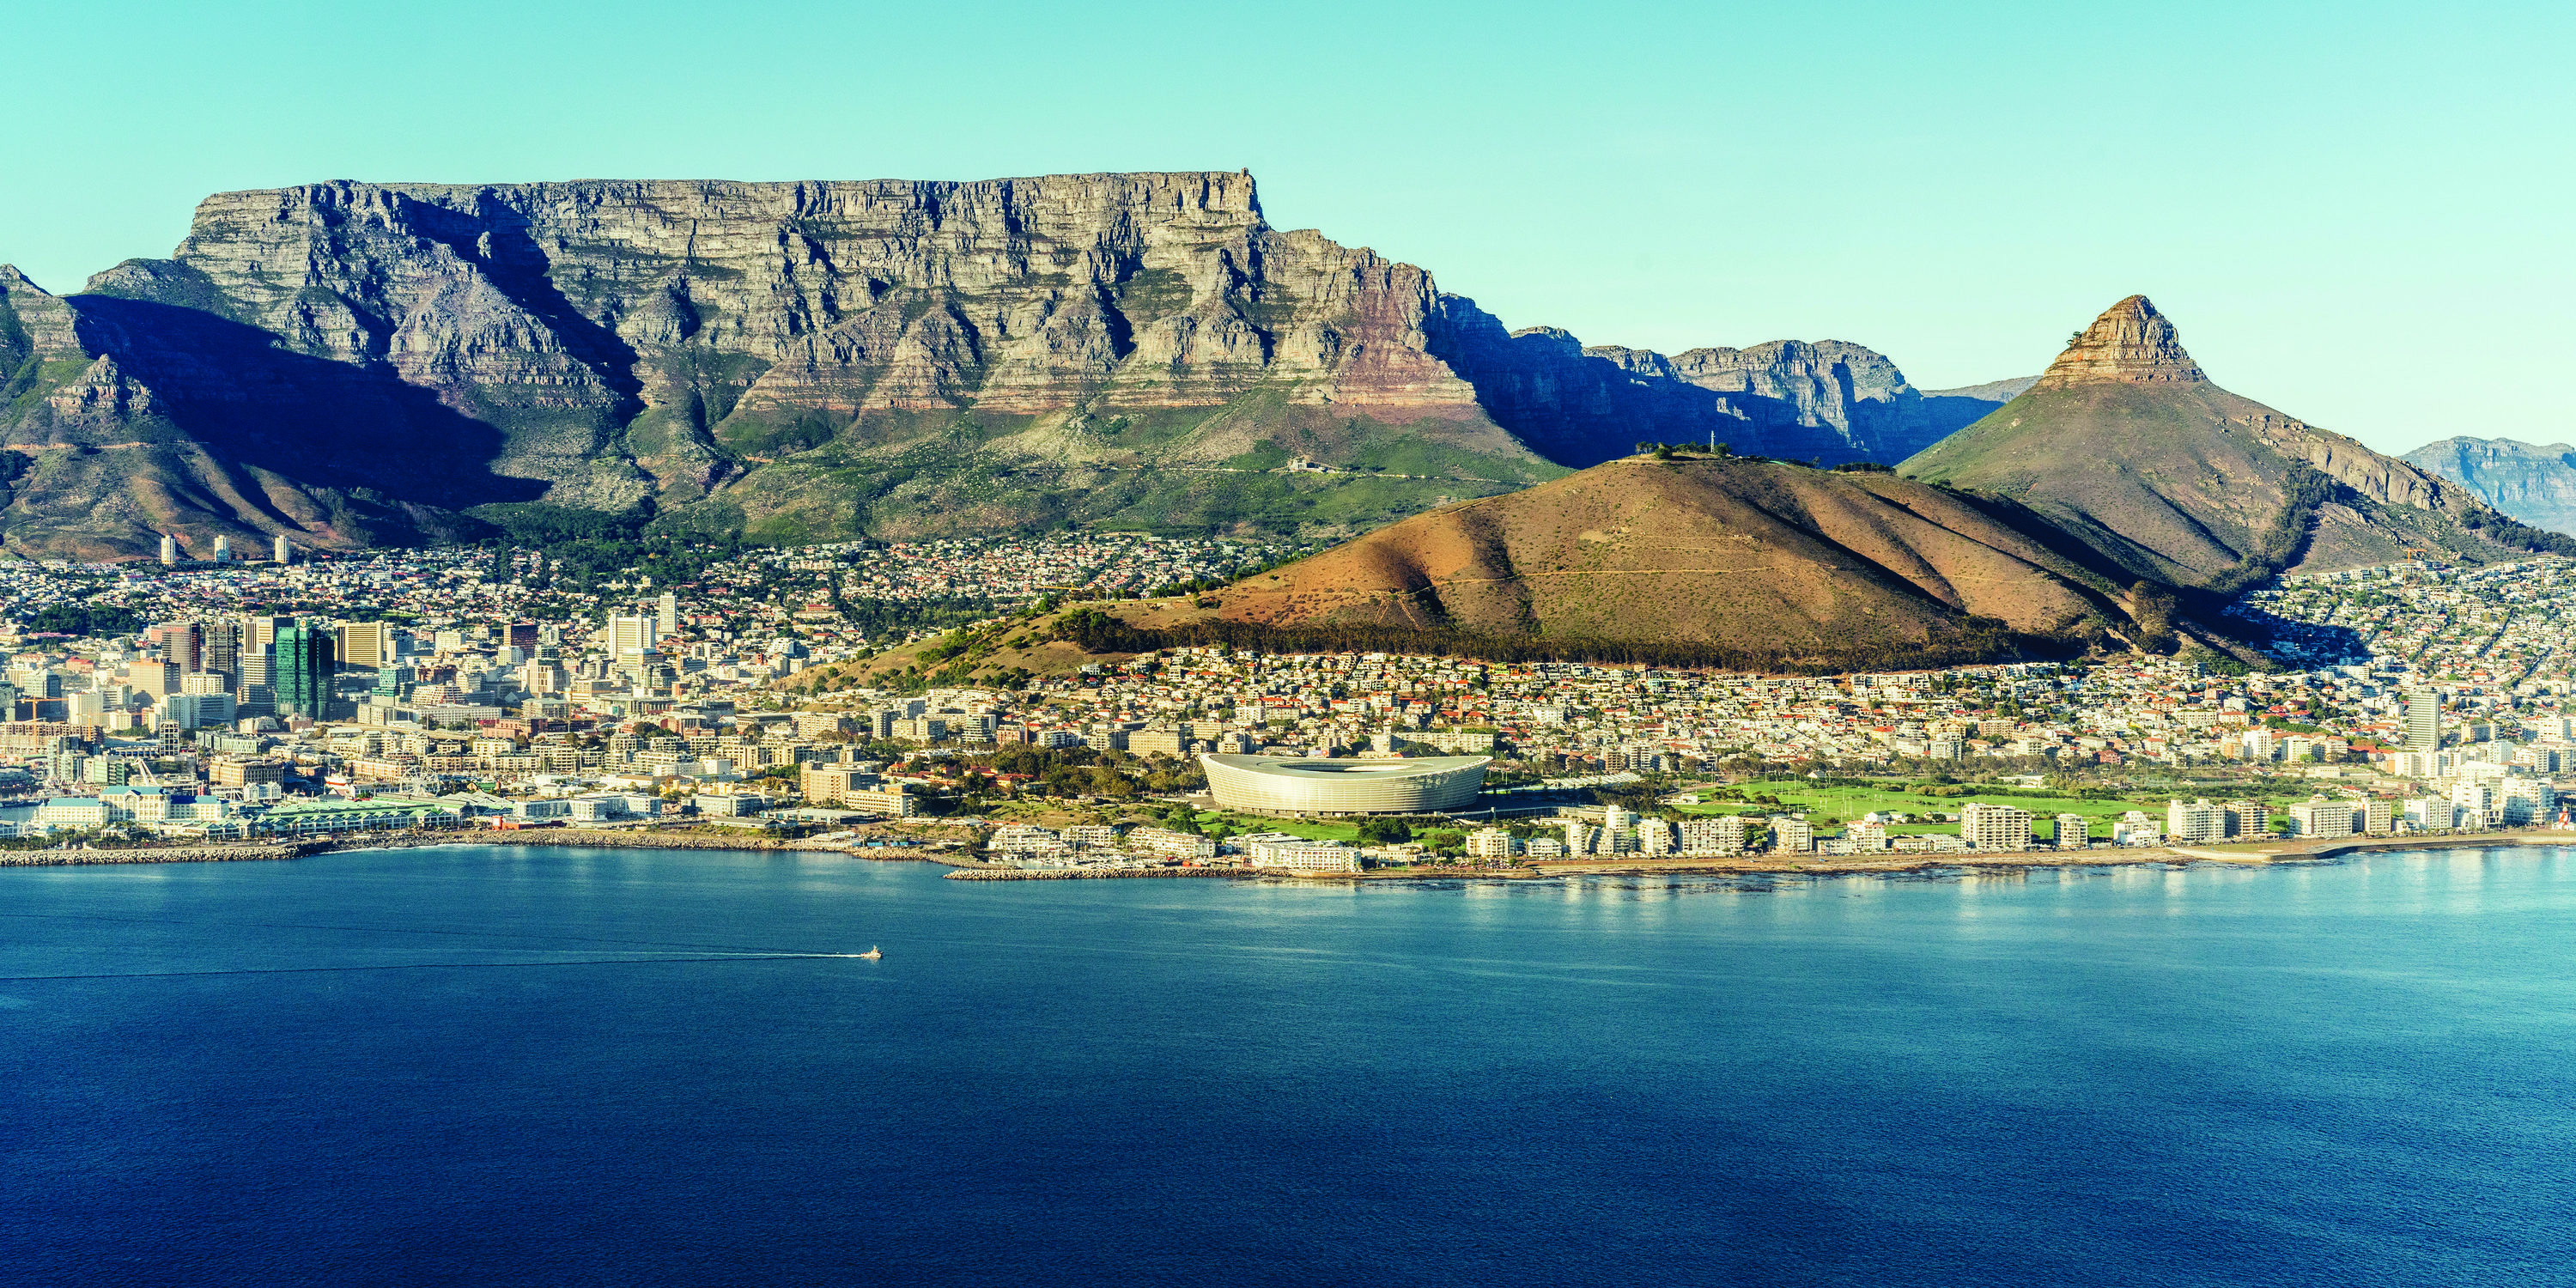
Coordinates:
[154,854]
[1085,874]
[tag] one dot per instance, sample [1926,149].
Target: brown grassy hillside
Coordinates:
[1755,555]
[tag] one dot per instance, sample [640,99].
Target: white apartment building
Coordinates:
[2194,822]
[2319,817]
[1994,827]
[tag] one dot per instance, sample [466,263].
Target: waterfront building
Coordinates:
[2430,813]
[1727,834]
[1299,855]
[1170,844]
[1654,836]
[2248,818]
[1492,843]
[2194,822]
[1994,827]
[2379,816]
[1792,836]
[1580,837]
[2074,831]
[2319,817]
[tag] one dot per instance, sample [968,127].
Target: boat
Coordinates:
[872,954]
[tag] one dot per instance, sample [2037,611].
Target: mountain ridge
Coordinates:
[2535,483]
[351,363]
[2126,440]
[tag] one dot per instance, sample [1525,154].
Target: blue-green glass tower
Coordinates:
[300,667]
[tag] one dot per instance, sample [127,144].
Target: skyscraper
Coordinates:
[367,644]
[169,549]
[281,550]
[629,637]
[300,665]
[2423,720]
[666,617]
[179,643]
[219,648]
[223,550]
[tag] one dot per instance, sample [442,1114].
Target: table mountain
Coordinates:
[2126,442]
[354,363]
[2534,484]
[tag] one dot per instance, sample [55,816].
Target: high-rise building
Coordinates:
[2248,818]
[520,635]
[2191,822]
[281,550]
[223,550]
[1994,827]
[2317,816]
[300,665]
[629,637]
[2423,720]
[219,647]
[2074,831]
[169,549]
[178,642]
[666,614]
[366,644]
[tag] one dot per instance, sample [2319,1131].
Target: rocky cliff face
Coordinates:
[352,362]
[1825,400]
[2129,344]
[2125,440]
[2535,484]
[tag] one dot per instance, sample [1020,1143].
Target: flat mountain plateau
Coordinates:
[350,364]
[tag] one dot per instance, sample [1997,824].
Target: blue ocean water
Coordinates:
[546,1066]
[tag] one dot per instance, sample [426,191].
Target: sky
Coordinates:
[2356,213]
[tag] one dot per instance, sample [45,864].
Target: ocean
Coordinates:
[501,1065]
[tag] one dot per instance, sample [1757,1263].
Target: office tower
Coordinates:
[259,634]
[366,644]
[281,550]
[178,642]
[223,550]
[219,647]
[629,637]
[2423,720]
[520,635]
[666,617]
[169,549]
[300,665]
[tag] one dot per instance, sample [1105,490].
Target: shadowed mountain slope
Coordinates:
[348,363]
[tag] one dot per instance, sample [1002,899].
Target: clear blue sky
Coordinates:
[2357,213]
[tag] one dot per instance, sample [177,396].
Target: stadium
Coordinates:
[1294,785]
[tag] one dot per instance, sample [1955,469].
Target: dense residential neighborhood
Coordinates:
[466,687]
